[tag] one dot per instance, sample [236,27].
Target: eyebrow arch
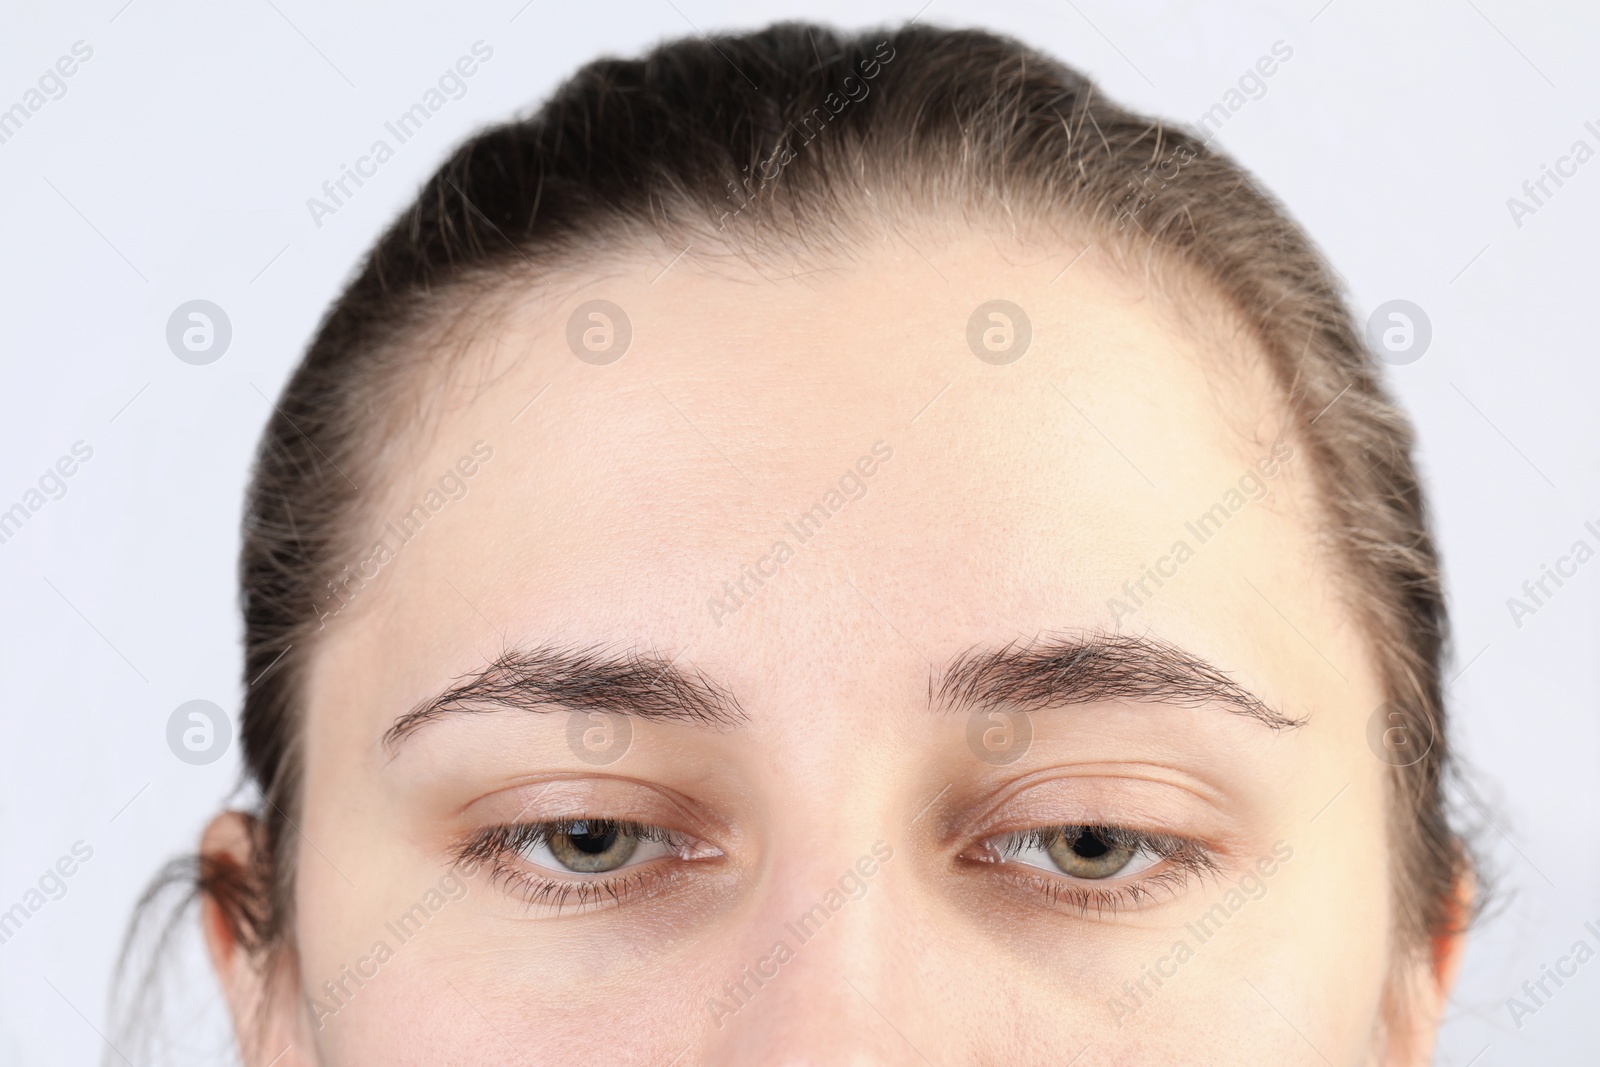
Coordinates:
[1060,670]
[553,678]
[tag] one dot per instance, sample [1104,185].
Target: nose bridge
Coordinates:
[818,986]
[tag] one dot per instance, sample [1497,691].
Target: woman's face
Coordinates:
[880,702]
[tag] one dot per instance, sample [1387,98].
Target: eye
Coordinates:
[593,846]
[1092,853]
[582,862]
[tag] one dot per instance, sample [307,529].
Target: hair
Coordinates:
[777,140]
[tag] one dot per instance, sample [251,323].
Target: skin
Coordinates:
[1017,501]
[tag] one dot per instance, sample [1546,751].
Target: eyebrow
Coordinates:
[1061,670]
[547,679]
[1049,672]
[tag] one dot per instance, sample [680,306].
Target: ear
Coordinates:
[259,984]
[1449,947]
[1416,1023]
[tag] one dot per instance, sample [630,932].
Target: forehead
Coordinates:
[827,457]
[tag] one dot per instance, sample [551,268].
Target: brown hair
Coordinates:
[772,139]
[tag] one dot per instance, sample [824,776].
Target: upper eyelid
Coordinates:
[659,806]
[1034,837]
[535,831]
[1044,793]
[1127,833]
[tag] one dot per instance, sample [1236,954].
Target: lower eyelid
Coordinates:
[1162,883]
[556,893]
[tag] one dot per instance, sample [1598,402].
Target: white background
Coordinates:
[178,165]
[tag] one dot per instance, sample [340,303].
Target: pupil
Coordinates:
[592,842]
[1090,846]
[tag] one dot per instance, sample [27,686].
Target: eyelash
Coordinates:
[1184,858]
[497,847]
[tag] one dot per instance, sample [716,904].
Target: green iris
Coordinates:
[1087,852]
[593,847]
